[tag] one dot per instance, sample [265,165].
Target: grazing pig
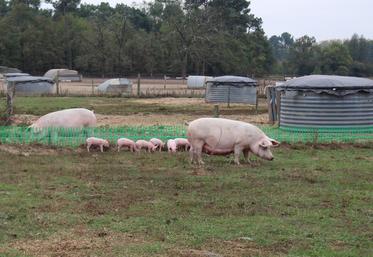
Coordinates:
[182,142]
[222,137]
[125,142]
[171,146]
[69,118]
[97,142]
[158,143]
[140,144]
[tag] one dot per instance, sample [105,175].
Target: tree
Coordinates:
[335,58]
[303,56]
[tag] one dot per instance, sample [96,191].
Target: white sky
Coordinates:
[323,19]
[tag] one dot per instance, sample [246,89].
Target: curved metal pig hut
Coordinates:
[326,102]
[231,89]
[29,85]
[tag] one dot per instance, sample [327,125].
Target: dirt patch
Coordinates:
[35,149]
[76,242]
[234,248]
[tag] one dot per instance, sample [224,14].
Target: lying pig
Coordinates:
[158,143]
[222,137]
[140,144]
[171,146]
[69,118]
[125,142]
[182,142]
[97,142]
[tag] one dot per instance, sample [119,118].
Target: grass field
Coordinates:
[308,202]
[123,106]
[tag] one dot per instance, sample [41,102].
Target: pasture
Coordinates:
[312,200]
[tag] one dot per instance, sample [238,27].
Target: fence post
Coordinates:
[11,89]
[165,81]
[93,89]
[216,111]
[57,80]
[138,84]
[269,104]
[278,105]
[229,96]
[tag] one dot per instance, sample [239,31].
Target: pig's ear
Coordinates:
[275,143]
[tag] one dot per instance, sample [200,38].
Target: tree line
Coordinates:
[305,56]
[173,37]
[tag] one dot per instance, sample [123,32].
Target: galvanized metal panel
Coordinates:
[311,110]
[230,94]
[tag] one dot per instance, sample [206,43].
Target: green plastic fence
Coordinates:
[77,137]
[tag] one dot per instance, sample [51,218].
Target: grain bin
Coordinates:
[197,82]
[29,85]
[231,89]
[326,102]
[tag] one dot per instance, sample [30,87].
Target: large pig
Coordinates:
[182,143]
[97,142]
[222,137]
[158,143]
[68,118]
[125,142]
[140,144]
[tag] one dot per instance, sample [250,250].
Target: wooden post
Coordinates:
[269,104]
[256,101]
[216,111]
[278,105]
[57,80]
[165,81]
[93,88]
[138,84]
[11,90]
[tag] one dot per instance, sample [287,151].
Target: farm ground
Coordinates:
[116,111]
[63,202]
[310,201]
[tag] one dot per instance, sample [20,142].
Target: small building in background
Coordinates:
[231,89]
[116,86]
[197,82]
[329,102]
[64,75]
[30,86]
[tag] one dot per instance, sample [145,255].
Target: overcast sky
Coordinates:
[323,19]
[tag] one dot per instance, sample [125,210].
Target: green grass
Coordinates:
[116,106]
[308,202]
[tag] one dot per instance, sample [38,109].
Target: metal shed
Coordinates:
[231,89]
[116,86]
[321,101]
[29,85]
[64,75]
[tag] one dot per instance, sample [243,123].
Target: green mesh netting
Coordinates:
[76,137]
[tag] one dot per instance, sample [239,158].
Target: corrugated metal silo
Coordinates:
[320,101]
[231,89]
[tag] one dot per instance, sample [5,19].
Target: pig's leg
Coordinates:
[197,147]
[237,153]
[88,146]
[118,148]
[246,155]
[102,148]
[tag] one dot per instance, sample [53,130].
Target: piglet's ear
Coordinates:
[274,142]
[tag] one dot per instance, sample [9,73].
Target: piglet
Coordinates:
[140,144]
[171,146]
[182,142]
[97,142]
[158,143]
[125,142]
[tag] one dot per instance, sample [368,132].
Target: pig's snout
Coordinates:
[271,158]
